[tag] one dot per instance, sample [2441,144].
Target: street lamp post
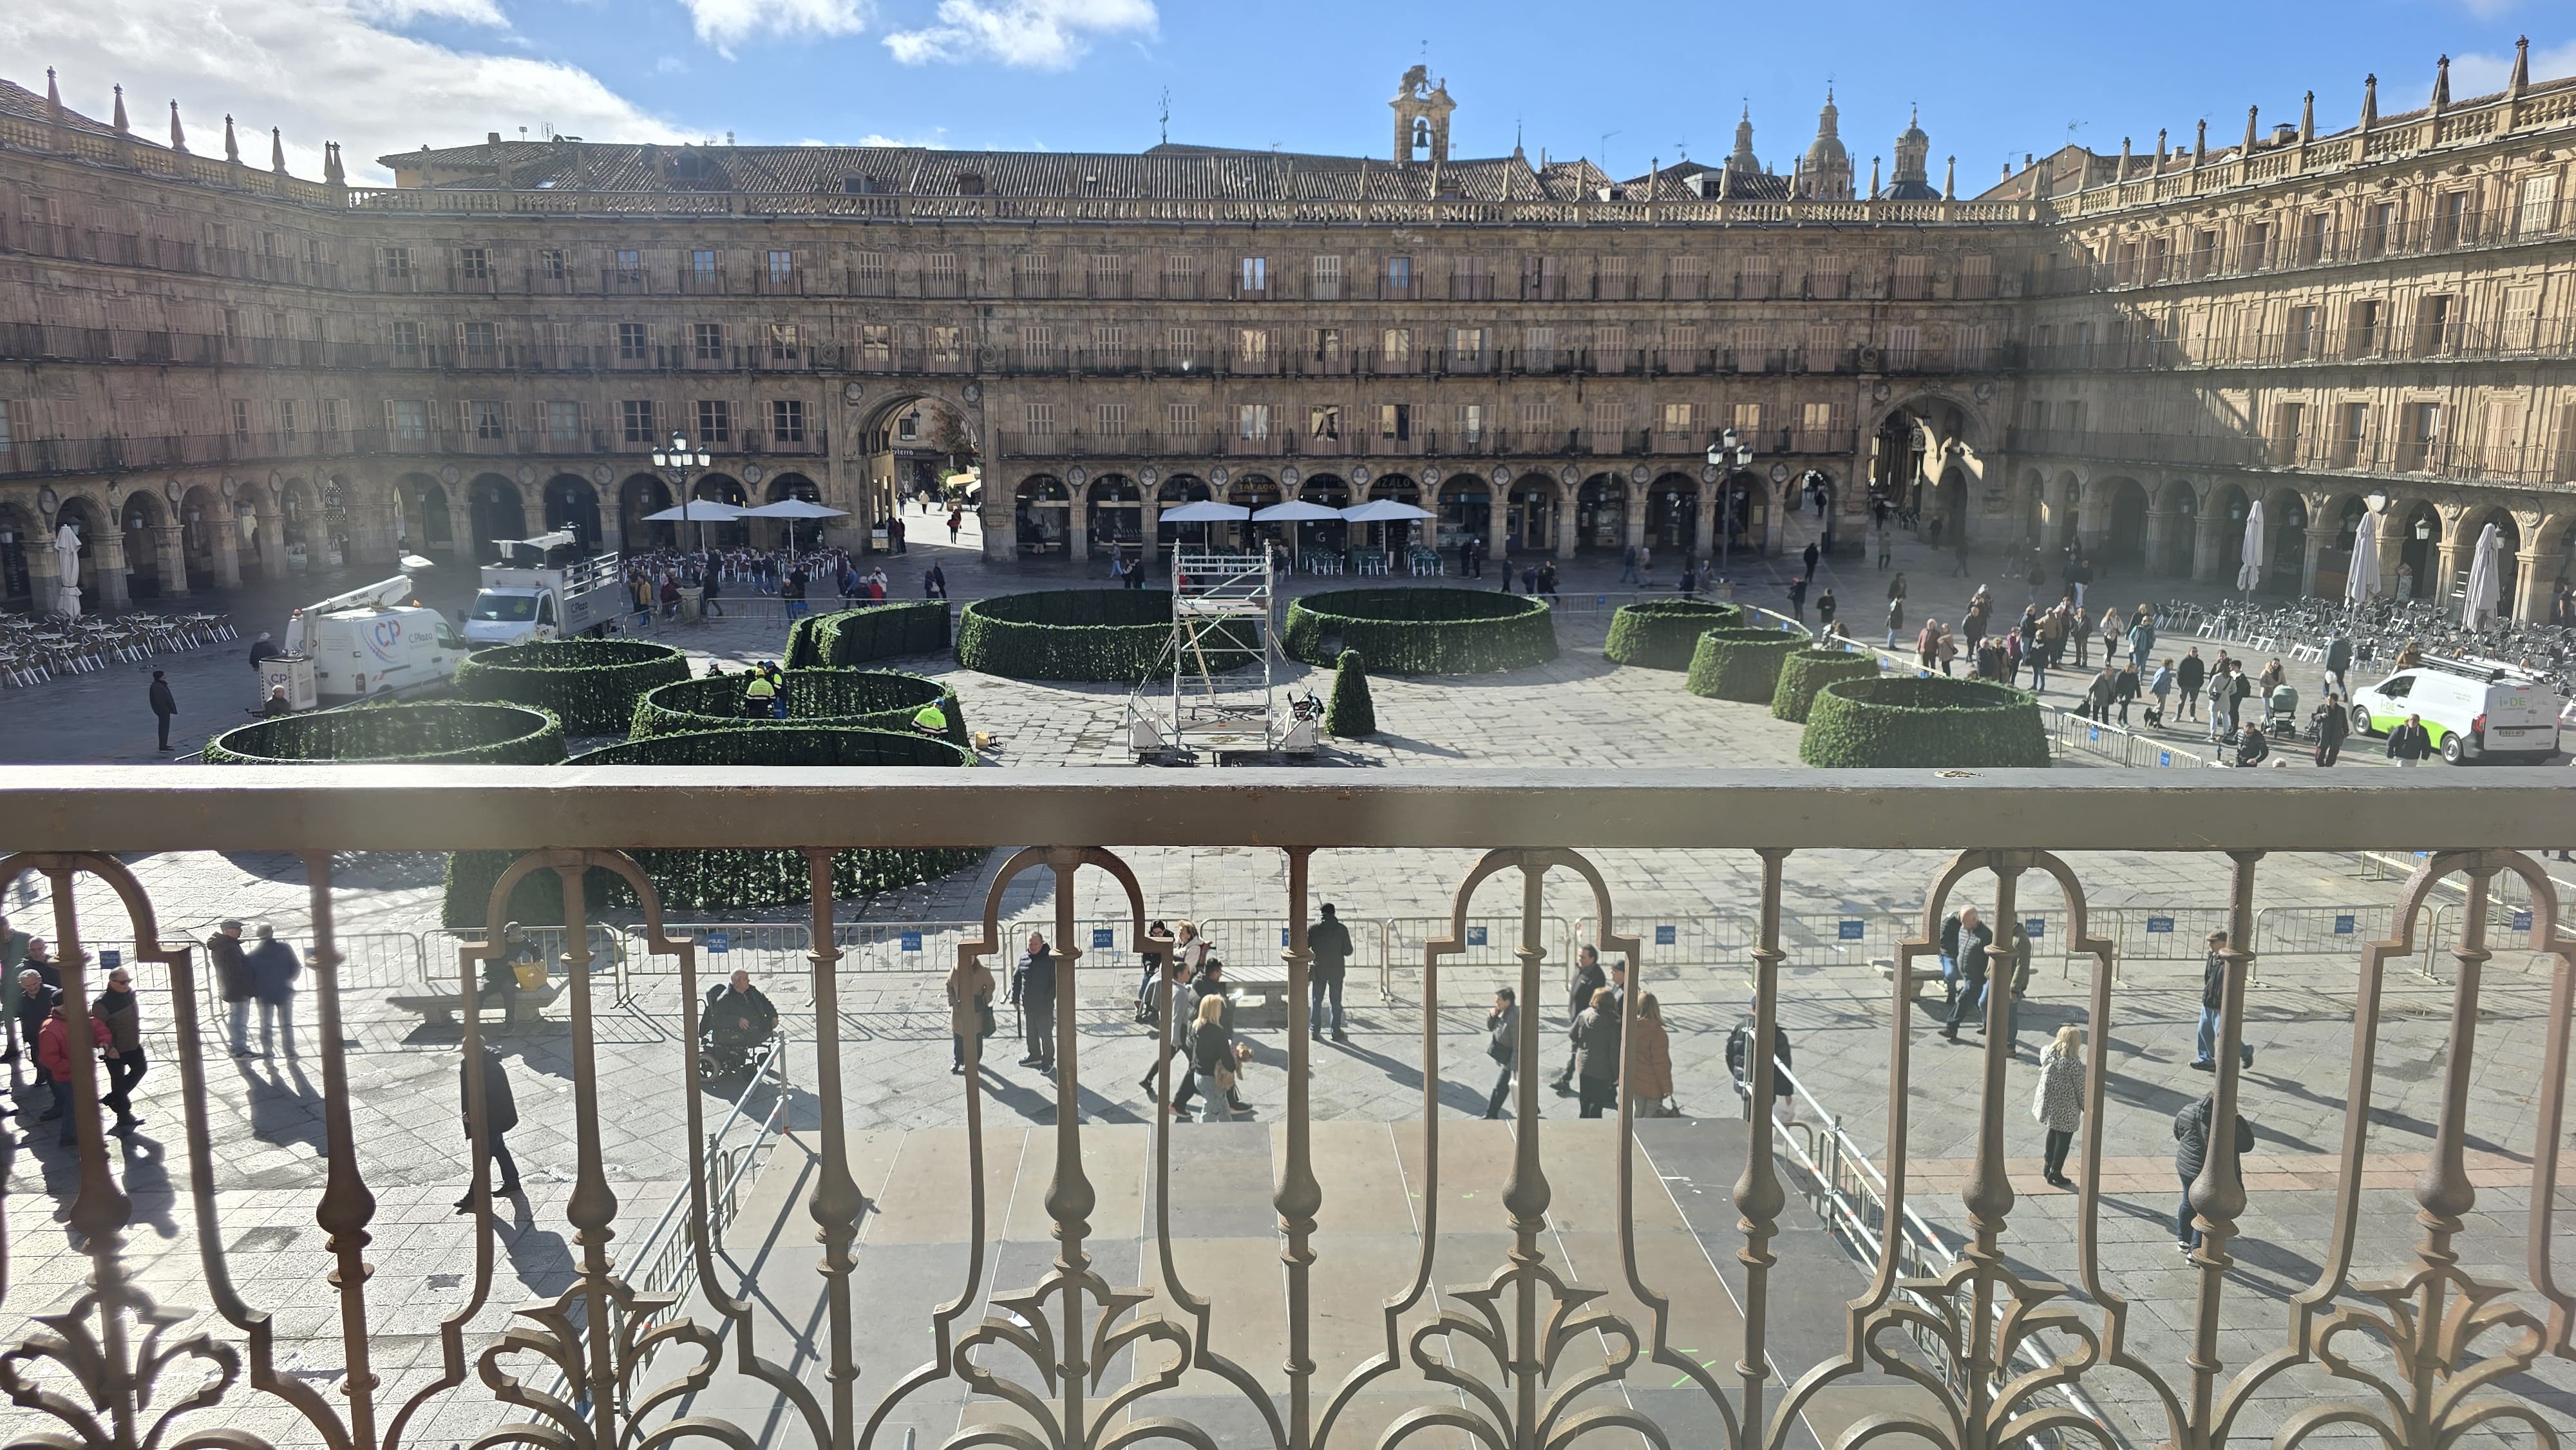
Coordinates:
[674,464]
[1730,456]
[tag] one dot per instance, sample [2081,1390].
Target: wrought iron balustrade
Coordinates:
[1549,1346]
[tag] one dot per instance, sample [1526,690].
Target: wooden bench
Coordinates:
[439,1008]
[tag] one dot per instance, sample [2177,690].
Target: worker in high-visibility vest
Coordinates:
[931,720]
[759,694]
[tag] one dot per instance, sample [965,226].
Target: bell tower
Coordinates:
[1421,119]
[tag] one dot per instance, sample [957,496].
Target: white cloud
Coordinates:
[2481,74]
[324,70]
[726,23]
[1037,34]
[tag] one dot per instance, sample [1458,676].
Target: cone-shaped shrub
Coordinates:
[1350,713]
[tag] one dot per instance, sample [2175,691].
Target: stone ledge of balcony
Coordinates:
[402,808]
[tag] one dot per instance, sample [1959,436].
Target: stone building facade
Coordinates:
[215,370]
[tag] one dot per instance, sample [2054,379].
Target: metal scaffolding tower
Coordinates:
[1212,687]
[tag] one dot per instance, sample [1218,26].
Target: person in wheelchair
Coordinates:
[736,1021]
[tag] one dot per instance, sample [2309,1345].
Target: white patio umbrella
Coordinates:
[2249,566]
[1205,511]
[793,508]
[2362,583]
[1384,510]
[696,511]
[2478,607]
[1295,511]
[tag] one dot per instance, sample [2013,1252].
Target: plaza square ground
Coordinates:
[1839,1010]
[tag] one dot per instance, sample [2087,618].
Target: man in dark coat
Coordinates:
[232,975]
[500,1115]
[116,1007]
[36,1001]
[164,704]
[738,1014]
[2187,678]
[1329,942]
[1588,979]
[2333,724]
[1033,992]
[1974,937]
[2191,1152]
[272,981]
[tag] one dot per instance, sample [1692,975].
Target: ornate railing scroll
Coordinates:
[1986,1319]
[1533,1406]
[2453,1336]
[113,1341]
[1072,1346]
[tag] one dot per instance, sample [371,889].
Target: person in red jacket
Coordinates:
[54,1052]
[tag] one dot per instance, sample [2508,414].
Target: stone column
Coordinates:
[1077,525]
[1704,520]
[2208,544]
[2450,559]
[1149,524]
[42,577]
[107,573]
[2162,537]
[226,534]
[2317,539]
[460,528]
[1636,518]
[272,542]
[1565,537]
[2392,547]
[2532,588]
[170,545]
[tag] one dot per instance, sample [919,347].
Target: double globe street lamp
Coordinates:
[1728,460]
[674,464]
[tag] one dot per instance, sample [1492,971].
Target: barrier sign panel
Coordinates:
[1667,936]
[1103,936]
[2343,926]
[2521,922]
[2037,926]
[2160,926]
[1475,936]
[110,959]
[911,941]
[719,942]
[1848,930]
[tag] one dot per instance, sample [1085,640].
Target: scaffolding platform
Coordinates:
[1212,690]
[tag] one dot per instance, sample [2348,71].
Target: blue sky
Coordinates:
[1624,81]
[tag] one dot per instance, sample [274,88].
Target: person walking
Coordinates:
[2124,690]
[759,696]
[164,705]
[895,532]
[1214,1057]
[2058,1103]
[2338,665]
[2079,628]
[2100,692]
[1628,565]
[1798,597]
[1588,979]
[1810,554]
[1895,618]
[2017,945]
[2222,699]
[2213,1003]
[1596,1052]
[54,1054]
[970,1011]
[1650,1071]
[2409,744]
[1328,943]
[1825,608]
[35,1002]
[1172,1037]
[2187,678]
[934,582]
[500,1115]
[2191,1152]
[1033,992]
[2142,638]
[2333,724]
[2159,687]
[233,979]
[118,1010]
[1975,941]
[273,969]
[1886,545]
[956,518]
[1739,1056]
[13,954]
[1503,1045]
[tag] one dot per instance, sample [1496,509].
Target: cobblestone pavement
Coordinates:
[266,1125]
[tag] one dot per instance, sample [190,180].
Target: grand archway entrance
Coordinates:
[572,504]
[140,519]
[642,495]
[496,513]
[1601,514]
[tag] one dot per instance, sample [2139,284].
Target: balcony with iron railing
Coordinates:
[2325,344]
[1033,1262]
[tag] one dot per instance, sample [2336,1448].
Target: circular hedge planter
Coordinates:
[698,883]
[1740,664]
[1068,634]
[591,683]
[445,732]
[1422,631]
[1806,671]
[1924,722]
[1661,634]
[875,632]
[839,699]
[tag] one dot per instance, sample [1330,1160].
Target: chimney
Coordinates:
[2513,88]
[2160,153]
[54,110]
[2369,101]
[276,151]
[121,128]
[2442,85]
[178,137]
[232,148]
[2308,119]
[2200,144]
[2123,173]
[2249,129]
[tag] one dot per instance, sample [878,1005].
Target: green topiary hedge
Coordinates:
[1924,722]
[1740,664]
[1351,713]
[875,632]
[1422,631]
[696,883]
[1077,634]
[449,732]
[843,699]
[1662,634]
[592,684]
[1806,671]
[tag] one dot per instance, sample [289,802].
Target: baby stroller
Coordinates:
[2281,712]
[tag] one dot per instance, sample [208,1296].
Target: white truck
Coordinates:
[365,642]
[544,589]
